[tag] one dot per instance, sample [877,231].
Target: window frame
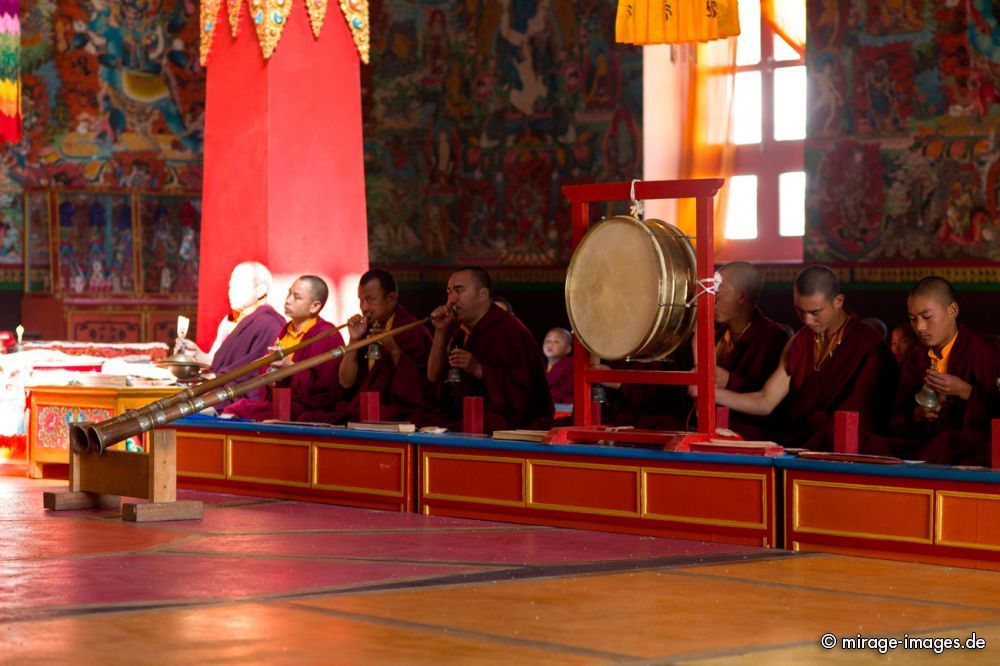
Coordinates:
[767,160]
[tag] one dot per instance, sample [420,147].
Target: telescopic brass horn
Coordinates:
[102,435]
[78,431]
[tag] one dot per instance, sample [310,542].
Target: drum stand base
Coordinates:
[100,480]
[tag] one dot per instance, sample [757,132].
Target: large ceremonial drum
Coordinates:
[628,287]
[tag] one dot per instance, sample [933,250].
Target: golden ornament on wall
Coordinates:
[233,8]
[317,14]
[356,13]
[209,15]
[269,18]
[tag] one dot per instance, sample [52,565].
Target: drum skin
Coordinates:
[628,286]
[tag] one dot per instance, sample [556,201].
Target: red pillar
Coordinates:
[284,171]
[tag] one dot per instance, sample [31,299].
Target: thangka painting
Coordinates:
[477,113]
[11,230]
[113,96]
[171,230]
[38,227]
[902,156]
[11,240]
[96,251]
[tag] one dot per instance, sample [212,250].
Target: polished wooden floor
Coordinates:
[273,582]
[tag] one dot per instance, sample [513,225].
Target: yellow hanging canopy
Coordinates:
[675,21]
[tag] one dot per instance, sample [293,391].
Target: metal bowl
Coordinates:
[182,367]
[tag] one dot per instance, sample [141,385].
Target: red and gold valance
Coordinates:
[269,18]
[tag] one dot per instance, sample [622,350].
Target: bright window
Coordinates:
[765,212]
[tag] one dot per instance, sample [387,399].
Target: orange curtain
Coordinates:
[788,19]
[675,21]
[706,150]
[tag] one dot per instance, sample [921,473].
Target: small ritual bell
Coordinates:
[375,348]
[928,397]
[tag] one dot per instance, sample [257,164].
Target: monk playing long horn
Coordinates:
[311,390]
[397,372]
[103,435]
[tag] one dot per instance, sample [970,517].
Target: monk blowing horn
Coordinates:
[78,431]
[102,435]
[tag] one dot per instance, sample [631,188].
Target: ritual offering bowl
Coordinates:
[182,367]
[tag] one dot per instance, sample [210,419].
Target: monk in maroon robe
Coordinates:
[651,406]
[557,346]
[310,389]
[398,372]
[748,345]
[959,368]
[246,335]
[834,363]
[494,356]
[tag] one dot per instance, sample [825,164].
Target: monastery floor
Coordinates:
[275,582]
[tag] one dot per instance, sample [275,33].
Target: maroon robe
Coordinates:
[560,378]
[513,386]
[402,387]
[859,377]
[755,355]
[248,342]
[311,389]
[961,434]
[653,406]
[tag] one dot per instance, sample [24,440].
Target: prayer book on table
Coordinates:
[520,435]
[383,426]
[738,447]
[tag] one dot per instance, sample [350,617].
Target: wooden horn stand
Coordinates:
[99,481]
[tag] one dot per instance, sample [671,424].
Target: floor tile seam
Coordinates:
[444,630]
[42,613]
[824,590]
[938,631]
[522,574]
[521,570]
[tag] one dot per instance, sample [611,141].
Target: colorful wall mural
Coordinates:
[476,113]
[902,155]
[113,99]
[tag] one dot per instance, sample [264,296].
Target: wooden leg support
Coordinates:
[61,500]
[147,512]
[100,480]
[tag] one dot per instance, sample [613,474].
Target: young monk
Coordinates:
[306,297]
[748,346]
[835,362]
[961,367]
[557,346]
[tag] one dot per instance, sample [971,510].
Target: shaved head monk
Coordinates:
[835,362]
[960,367]
[495,353]
[310,388]
[398,373]
[748,344]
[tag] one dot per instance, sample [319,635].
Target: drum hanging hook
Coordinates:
[638,209]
